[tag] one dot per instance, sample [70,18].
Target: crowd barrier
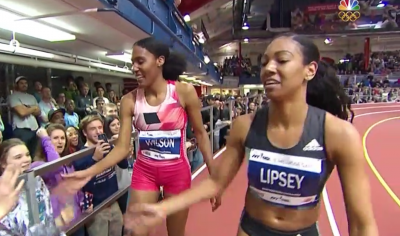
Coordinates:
[30,175]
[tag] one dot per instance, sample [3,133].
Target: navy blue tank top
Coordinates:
[293,177]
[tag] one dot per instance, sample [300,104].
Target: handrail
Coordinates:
[42,169]
[29,176]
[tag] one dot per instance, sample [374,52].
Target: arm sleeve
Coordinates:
[123,164]
[14,101]
[83,163]
[49,150]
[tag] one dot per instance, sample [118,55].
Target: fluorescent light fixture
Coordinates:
[201,40]
[183,76]
[121,56]
[113,68]
[381,5]
[245,26]
[191,78]
[206,59]
[186,18]
[24,51]
[328,41]
[228,47]
[246,40]
[32,28]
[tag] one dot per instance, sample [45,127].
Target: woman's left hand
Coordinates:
[215,203]
[41,132]
[140,218]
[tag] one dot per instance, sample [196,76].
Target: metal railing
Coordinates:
[30,175]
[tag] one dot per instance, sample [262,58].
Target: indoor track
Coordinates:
[379,126]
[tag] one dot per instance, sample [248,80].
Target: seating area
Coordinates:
[380,63]
[235,66]
[386,63]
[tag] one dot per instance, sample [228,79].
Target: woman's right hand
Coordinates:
[140,218]
[9,190]
[41,132]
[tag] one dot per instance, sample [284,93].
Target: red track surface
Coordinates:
[381,145]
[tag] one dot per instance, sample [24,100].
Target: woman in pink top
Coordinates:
[160,106]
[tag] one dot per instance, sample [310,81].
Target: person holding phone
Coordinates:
[161,107]
[103,185]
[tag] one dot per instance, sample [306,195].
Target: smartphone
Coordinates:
[103,137]
[87,201]
[151,118]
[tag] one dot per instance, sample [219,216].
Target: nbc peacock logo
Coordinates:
[349,10]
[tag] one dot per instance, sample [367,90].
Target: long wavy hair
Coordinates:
[40,155]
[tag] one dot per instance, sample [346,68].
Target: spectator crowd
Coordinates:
[235,66]
[44,129]
[386,63]
[372,88]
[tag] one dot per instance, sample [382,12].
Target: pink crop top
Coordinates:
[162,128]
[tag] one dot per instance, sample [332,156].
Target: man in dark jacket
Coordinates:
[83,102]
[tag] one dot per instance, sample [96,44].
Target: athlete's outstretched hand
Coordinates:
[73,182]
[215,203]
[140,218]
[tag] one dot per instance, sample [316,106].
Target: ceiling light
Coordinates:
[186,18]
[112,68]
[245,26]
[328,41]
[32,28]
[228,47]
[120,56]
[206,59]
[24,51]
[201,40]
[246,40]
[191,78]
